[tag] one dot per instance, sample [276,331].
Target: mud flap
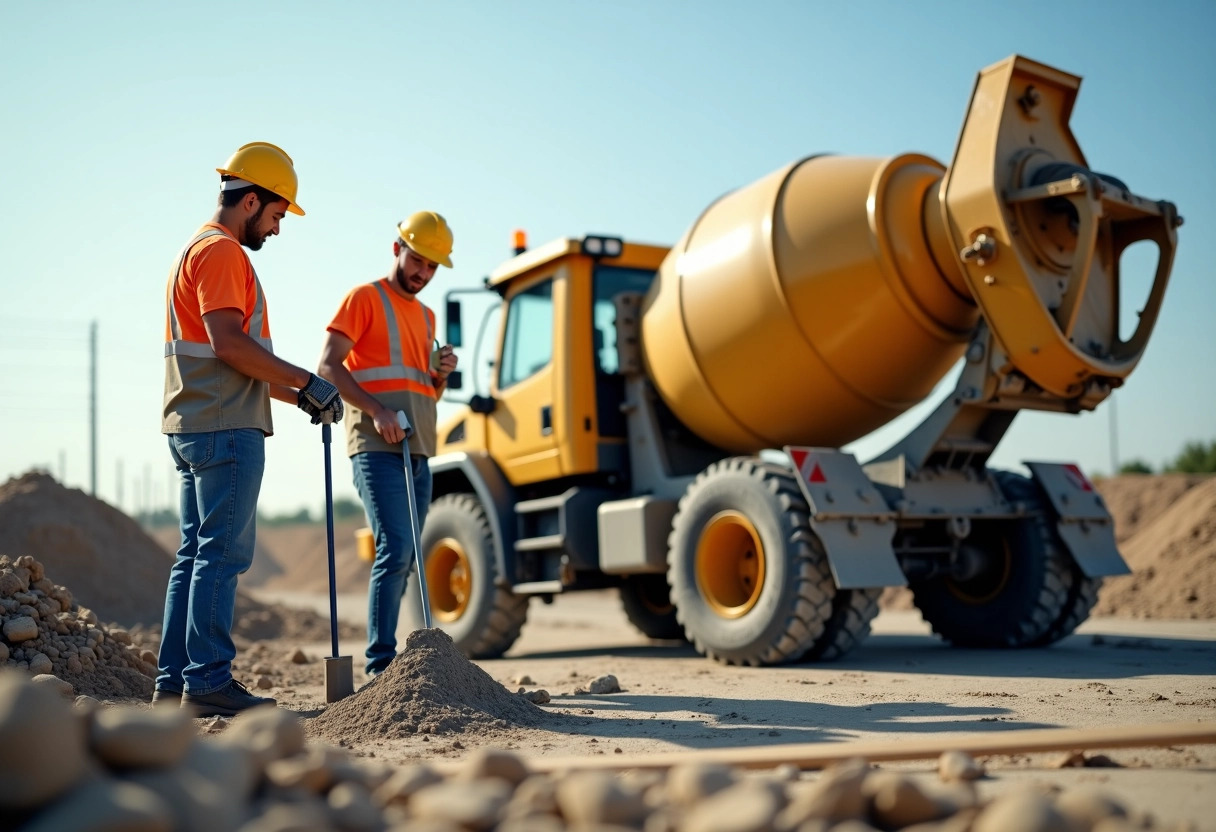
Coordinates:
[852,520]
[1082,520]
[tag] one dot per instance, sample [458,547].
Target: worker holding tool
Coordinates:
[379,352]
[220,374]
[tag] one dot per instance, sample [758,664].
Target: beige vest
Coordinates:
[202,393]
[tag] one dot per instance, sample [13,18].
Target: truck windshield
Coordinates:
[608,282]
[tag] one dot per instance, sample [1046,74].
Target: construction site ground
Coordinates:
[901,684]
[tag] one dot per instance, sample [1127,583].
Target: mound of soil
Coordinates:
[429,688]
[1136,500]
[1172,555]
[111,566]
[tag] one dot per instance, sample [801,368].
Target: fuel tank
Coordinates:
[809,307]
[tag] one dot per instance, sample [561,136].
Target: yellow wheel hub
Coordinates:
[449,580]
[730,564]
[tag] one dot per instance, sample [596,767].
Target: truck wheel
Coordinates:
[647,603]
[1082,591]
[482,617]
[748,577]
[1018,596]
[852,612]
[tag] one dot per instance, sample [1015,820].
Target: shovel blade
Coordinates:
[339,678]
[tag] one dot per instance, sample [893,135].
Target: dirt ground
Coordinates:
[1153,660]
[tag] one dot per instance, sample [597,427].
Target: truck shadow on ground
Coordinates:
[1086,656]
[701,722]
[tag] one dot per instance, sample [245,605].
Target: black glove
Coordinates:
[319,399]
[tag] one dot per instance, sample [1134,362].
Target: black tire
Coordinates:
[1021,595]
[736,506]
[1082,591]
[853,610]
[647,603]
[482,617]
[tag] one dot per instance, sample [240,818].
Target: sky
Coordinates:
[559,118]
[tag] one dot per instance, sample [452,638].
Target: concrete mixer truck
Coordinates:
[667,422]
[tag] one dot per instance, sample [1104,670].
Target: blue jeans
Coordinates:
[221,474]
[380,480]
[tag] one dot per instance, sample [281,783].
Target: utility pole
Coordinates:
[93,408]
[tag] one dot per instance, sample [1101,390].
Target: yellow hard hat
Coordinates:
[428,234]
[266,165]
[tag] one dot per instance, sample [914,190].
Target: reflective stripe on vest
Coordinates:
[396,369]
[194,349]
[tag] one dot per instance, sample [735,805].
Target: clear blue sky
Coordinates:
[560,118]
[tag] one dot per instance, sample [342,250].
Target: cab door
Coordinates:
[522,430]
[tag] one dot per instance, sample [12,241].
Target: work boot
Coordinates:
[172,698]
[229,700]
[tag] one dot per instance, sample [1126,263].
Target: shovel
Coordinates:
[339,672]
[404,422]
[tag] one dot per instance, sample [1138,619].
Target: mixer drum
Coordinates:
[807,308]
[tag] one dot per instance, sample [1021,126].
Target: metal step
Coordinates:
[537,544]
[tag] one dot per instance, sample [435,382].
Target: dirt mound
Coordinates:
[1135,500]
[46,631]
[254,620]
[429,688]
[101,553]
[1173,560]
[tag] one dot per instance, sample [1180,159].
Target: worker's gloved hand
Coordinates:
[320,400]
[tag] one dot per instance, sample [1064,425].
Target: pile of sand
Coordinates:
[46,632]
[113,567]
[429,688]
[1171,548]
[101,553]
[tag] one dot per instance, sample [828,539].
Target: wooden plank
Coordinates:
[823,754]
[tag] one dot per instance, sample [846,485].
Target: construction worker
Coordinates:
[378,351]
[220,375]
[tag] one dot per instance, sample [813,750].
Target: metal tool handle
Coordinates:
[329,534]
[404,422]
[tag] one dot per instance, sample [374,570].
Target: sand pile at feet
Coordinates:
[94,768]
[45,631]
[429,688]
[103,555]
[1173,560]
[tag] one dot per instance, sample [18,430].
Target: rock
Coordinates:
[746,806]
[10,584]
[1086,808]
[474,805]
[20,628]
[230,767]
[270,733]
[604,684]
[493,763]
[131,738]
[404,782]
[50,736]
[313,771]
[896,801]
[535,796]
[1021,811]
[197,804]
[690,783]
[299,657]
[958,766]
[120,636]
[264,683]
[351,808]
[41,665]
[105,805]
[536,697]
[149,657]
[56,684]
[587,798]
[4,652]
[835,796]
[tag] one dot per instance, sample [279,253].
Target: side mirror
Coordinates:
[452,317]
[455,381]
[482,404]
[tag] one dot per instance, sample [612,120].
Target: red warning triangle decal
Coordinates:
[799,458]
[817,475]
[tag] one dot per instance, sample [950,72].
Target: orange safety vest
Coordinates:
[390,359]
[202,393]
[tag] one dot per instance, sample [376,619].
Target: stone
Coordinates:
[270,733]
[536,697]
[132,738]
[120,636]
[746,806]
[51,738]
[604,684]
[404,782]
[493,763]
[1087,808]
[896,801]
[20,628]
[474,806]
[41,665]
[56,684]
[690,783]
[592,797]
[836,796]
[958,766]
[103,804]
[230,767]
[524,679]
[264,683]
[197,804]
[1021,811]
[299,657]
[351,808]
